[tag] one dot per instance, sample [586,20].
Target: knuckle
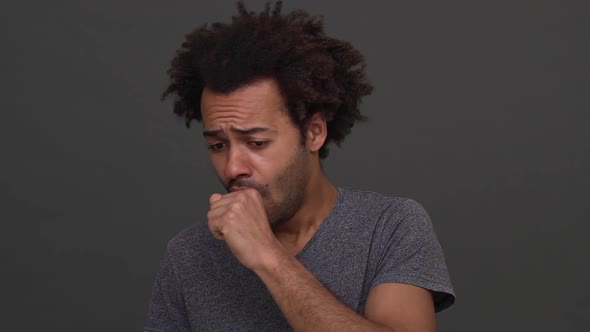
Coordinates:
[242,195]
[254,193]
[249,193]
[231,214]
[213,228]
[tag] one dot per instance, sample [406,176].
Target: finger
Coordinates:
[224,201]
[236,196]
[216,232]
[214,225]
[222,215]
[253,193]
[214,198]
[218,212]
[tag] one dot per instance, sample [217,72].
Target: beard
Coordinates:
[284,198]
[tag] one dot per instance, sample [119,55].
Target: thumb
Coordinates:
[214,198]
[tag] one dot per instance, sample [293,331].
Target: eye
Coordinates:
[216,146]
[258,144]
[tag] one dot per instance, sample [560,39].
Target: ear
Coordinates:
[317,131]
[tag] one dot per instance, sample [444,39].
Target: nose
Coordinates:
[237,164]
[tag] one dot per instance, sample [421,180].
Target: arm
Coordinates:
[239,219]
[308,305]
[403,306]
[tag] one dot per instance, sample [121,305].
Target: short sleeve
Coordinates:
[411,253]
[166,310]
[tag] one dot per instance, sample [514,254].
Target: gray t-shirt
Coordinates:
[366,240]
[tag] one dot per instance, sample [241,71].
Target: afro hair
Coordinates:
[314,72]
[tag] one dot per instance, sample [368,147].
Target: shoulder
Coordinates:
[185,238]
[388,215]
[390,205]
[191,244]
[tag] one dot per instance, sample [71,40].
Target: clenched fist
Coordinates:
[240,220]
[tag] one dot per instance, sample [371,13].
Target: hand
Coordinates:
[240,220]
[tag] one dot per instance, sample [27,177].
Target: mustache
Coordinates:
[246,183]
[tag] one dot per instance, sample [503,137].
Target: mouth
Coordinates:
[232,189]
[243,184]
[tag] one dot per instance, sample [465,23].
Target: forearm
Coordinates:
[306,303]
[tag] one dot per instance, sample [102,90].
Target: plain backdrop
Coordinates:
[480,113]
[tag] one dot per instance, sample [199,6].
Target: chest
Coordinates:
[221,294]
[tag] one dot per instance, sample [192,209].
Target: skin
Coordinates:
[277,197]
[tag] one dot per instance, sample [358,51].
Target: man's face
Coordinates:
[253,143]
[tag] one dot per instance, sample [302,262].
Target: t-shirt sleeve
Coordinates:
[411,253]
[166,310]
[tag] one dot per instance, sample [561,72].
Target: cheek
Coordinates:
[267,164]
[290,176]
[265,174]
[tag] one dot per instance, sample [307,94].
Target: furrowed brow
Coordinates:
[211,133]
[249,131]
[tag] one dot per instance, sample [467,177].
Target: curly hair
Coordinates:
[314,72]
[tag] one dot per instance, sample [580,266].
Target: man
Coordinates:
[285,248]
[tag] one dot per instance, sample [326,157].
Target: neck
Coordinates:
[319,199]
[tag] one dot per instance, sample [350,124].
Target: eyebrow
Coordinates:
[249,131]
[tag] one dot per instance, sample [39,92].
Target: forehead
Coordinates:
[259,102]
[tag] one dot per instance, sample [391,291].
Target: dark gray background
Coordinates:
[481,113]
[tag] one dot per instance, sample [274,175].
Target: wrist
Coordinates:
[271,261]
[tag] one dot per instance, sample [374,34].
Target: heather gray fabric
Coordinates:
[367,239]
